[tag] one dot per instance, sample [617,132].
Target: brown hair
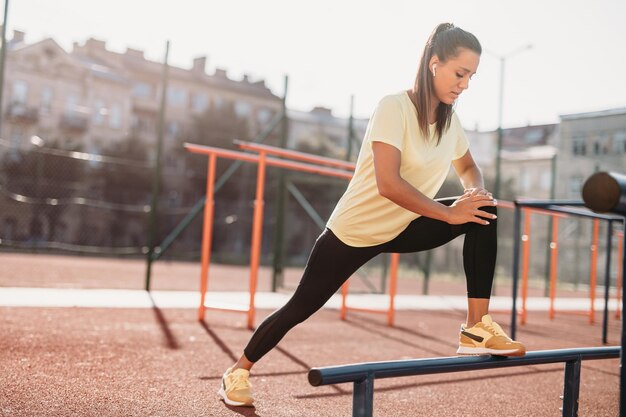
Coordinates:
[444,42]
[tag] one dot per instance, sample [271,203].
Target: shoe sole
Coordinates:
[224,398]
[486,351]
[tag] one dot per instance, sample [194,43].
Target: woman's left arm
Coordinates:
[470,175]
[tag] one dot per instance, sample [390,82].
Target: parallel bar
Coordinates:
[361,371]
[571,388]
[281,163]
[295,155]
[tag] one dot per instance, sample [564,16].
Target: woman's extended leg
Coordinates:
[330,264]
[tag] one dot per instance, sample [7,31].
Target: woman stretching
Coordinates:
[412,138]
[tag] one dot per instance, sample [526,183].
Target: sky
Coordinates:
[333,49]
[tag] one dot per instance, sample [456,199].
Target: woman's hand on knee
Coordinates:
[466,208]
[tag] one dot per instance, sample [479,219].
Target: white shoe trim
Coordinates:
[464,350]
[222,394]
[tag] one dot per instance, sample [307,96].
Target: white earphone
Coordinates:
[434,66]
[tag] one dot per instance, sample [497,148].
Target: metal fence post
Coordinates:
[571,388]
[607,280]
[363,398]
[516,239]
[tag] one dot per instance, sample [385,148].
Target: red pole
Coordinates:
[257,230]
[344,294]
[207,233]
[393,286]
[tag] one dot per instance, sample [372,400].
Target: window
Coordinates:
[46,99]
[142,90]
[176,96]
[218,102]
[263,116]
[579,145]
[17,136]
[20,92]
[173,128]
[524,180]
[71,104]
[575,186]
[199,102]
[242,109]
[546,180]
[115,120]
[619,142]
[99,111]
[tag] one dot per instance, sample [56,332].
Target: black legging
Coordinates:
[332,262]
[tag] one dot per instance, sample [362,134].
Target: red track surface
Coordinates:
[150,362]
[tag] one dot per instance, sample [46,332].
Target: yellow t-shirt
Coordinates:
[362,216]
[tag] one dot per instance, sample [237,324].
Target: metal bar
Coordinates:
[583,213]
[620,271]
[622,374]
[308,208]
[607,281]
[525,261]
[571,388]
[278,261]
[363,398]
[156,179]
[594,271]
[295,155]
[516,239]
[3,52]
[350,129]
[207,234]
[554,264]
[257,232]
[377,370]
[281,163]
[544,203]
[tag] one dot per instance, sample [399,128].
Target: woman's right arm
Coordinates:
[393,187]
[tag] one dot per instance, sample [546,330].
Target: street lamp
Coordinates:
[502,58]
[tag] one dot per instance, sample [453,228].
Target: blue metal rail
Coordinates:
[364,374]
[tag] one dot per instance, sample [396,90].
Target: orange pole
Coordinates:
[525,259]
[554,263]
[620,253]
[393,286]
[594,267]
[207,234]
[295,155]
[257,230]
[344,294]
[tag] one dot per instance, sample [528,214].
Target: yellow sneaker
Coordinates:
[487,337]
[236,389]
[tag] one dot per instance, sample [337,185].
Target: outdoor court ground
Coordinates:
[155,361]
